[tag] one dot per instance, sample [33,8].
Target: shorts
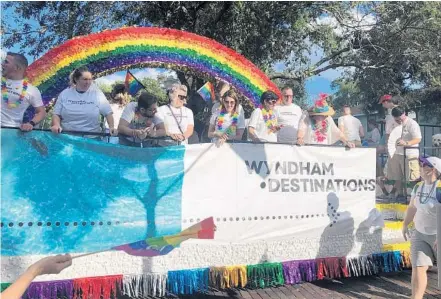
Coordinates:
[395,168]
[422,252]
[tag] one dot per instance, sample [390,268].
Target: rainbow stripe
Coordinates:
[163,245]
[119,49]
[132,85]
[207,92]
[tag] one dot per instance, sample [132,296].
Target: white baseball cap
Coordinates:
[432,161]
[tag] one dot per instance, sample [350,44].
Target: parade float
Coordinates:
[283,214]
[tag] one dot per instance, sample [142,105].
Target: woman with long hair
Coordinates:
[227,123]
[425,197]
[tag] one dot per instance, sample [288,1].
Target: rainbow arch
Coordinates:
[114,50]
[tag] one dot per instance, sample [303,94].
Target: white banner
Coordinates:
[260,192]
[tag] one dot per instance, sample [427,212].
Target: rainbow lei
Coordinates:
[269,118]
[320,130]
[20,99]
[231,130]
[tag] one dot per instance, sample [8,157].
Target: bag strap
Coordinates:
[176,120]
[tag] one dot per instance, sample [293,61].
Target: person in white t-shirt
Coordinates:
[289,117]
[140,120]
[263,124]
[119,100]
[375,136]
[227,123]
[410,138]
[318,127]
[78,108]
[389,102]
[425,198]
[178,119]
[18,94]
[351,126]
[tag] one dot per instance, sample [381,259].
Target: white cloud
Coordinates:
[110,79]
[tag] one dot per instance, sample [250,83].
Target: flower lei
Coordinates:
[320,130]
[20,99]
[269,118]
[231,130]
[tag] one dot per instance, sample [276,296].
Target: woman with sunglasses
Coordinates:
[425,197]
[227,123]
[178,119]
[140,120]
[263,125]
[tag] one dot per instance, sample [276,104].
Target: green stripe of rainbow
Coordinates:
[119,49]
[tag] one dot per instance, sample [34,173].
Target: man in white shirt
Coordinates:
[178,119]
[351,126]
[19,95]
[410,137]
[140,120]
[289,117]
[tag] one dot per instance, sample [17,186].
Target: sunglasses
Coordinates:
[182,98]
[271,101]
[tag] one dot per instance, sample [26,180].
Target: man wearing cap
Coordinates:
[426,196]
[351,126]
[289,117]
[410,138]
[389,102]
[18,94]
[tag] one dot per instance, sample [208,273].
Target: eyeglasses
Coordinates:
[271,101]
[288,96]
[182,98]
[229,102]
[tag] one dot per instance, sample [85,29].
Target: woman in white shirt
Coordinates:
[228,123]
[263,125]
[425,198]
[78,108]
[178,119]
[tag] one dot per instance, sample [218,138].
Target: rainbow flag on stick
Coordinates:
[132,84]
[207,92]
[163,245]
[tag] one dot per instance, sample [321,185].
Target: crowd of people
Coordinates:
[80,108]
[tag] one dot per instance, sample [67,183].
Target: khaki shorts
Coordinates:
[395,168]
[422,252]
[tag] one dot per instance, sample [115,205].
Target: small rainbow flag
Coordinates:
[132,84]
[163,245]
[207,92]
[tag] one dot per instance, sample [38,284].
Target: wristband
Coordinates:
[32,123]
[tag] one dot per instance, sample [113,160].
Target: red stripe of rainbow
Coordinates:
[118,49]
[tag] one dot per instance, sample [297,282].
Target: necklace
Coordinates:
[20,99]
[231,130]
[320,130]
[269,118]
[425,200]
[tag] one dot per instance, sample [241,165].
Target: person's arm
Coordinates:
[211,130]
[409,216]
[252,134]
[56,124]
[159,130]
[239,134]
[40,114]
[361,131]
[123,128]
[252,124]
[48,265]
[113,131]
[189,131]
[341,125]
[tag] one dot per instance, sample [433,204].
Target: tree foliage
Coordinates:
[382,47]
